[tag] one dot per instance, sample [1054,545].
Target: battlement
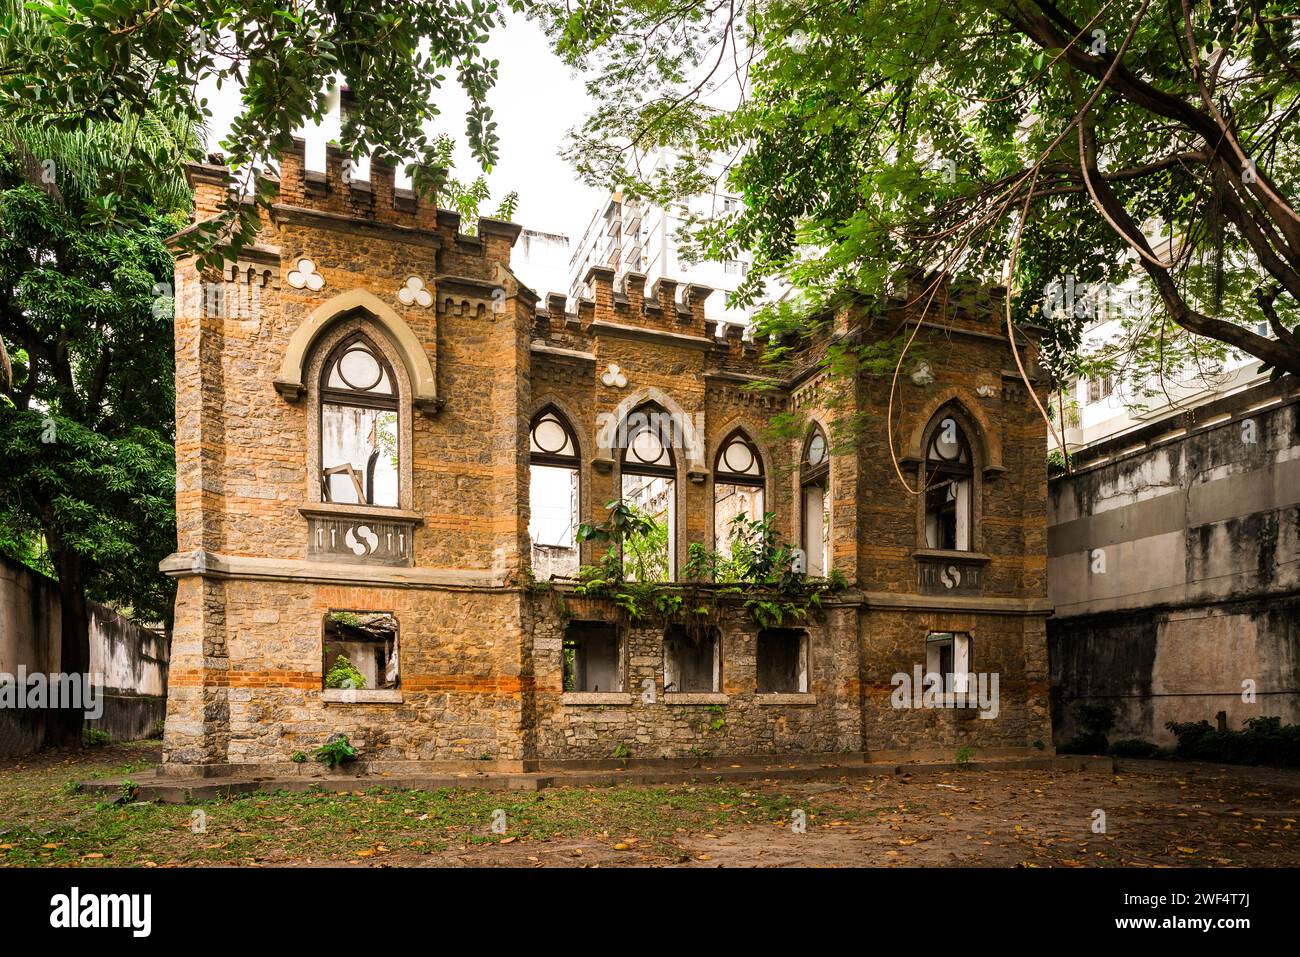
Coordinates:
[669,306]
[337,191]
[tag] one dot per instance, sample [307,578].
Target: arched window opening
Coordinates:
[815,486]
[359,454]
[948,479]
[649,485]
[553,494]
[738,484]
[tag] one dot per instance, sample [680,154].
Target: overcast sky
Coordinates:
[536,100]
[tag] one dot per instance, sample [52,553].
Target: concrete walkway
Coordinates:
[172,789]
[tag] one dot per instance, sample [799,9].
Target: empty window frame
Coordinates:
[948,479]
[359,454]
[815,500]
[692,661]
[948,653]
[649,485]
[360,650]
[738,484]
[593,657]
[553,496]
[782,661]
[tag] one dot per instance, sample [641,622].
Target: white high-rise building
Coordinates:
[642,237]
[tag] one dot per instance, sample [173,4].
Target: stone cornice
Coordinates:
[216,565]
[283,212]
[644,334]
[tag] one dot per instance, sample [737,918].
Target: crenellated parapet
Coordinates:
[338,194]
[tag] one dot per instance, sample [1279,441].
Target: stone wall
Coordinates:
[1174,556]
[477,357]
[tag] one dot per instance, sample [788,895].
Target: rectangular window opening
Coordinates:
[948,653]
[593,657]
[782,661]
[360,651]
[692,662]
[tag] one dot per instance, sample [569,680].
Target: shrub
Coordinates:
[1134,748]
[1094,720]
[1261,741]
[335,751]
[343,675]
[1085,744]
[298,757]
[93,737]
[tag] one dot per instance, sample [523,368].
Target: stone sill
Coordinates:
[696,697]
[596,698]
[775,698]
[362,696]
[351,510]
[948,554]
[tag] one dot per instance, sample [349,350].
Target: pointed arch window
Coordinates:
[738,486]
[649,484]
[815,499]
[948,477]
[553,495]
[359,436]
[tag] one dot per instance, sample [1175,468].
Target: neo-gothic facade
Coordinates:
[384,442]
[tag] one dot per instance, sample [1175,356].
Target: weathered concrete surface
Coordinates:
[1174,568]
[130,660]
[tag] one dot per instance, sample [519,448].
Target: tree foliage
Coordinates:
[72,63]
[1090,146]
[86,458]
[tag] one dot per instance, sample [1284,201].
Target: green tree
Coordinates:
[92,61]
[1009,141]
[87,473]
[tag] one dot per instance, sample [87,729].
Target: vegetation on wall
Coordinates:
[754,569]
[90,62]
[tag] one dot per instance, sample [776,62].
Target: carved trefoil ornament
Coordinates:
[415,293]
[305,276]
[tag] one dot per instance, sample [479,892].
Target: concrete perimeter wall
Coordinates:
[1174,568]
[131,659]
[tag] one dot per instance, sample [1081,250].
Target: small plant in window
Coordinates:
[343,675]
[336,751]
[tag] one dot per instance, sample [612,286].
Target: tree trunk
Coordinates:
[63,725]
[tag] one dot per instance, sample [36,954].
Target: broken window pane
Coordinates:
[360,650]
[359,463]
[782,661]
[692,662]
[592,657]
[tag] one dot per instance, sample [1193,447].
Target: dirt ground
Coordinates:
[1148,814]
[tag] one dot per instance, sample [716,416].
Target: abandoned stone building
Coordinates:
[385,445]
